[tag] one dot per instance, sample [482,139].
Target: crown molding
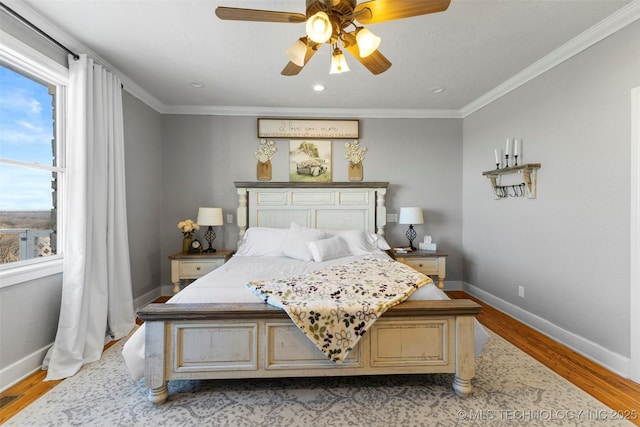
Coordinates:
[603,29]
[310,112]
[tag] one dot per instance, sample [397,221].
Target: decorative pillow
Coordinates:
[328,249]
[296,241]
[263,241]
[358,241]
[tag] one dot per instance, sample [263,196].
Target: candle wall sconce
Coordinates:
[528,188]
[510,157]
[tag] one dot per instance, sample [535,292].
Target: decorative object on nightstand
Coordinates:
[210,217]
[264,155]
[411,216]
[196,247]
[355,155]
[427,245]
[188,228]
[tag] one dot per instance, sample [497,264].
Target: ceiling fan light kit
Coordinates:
[338,62]
[319,28]
[329,21]
[367,42]
[297,52]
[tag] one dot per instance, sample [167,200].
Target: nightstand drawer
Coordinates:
[423,265]
[195,269]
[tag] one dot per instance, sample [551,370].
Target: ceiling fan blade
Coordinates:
[237,14]
[375,11]
[377,63]
[292,69]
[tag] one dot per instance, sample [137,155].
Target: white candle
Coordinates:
[495,151]
[507,149]
[516,151]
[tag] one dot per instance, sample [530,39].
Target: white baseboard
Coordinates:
[146,298]
[589,349]
[22,368]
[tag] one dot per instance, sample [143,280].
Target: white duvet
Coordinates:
[227,284]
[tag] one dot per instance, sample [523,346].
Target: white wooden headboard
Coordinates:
[332,205]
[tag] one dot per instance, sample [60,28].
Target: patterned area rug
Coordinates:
[510,388]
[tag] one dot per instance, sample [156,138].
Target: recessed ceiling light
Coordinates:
[196,85]
[318,88]
[437,89]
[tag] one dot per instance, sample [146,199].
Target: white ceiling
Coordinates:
[164,45]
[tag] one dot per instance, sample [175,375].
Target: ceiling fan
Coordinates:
[336,23]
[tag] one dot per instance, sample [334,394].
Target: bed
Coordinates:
[217,328]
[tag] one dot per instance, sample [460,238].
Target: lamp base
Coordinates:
[210,236]
[411,235]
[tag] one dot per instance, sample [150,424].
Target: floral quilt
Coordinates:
[335,306]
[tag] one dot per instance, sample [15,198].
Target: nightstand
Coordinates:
[194,266]
[429,263]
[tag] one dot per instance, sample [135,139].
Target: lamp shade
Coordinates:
[319,27]
[210,216]
[411,215]
[367,42]
[338,63]
[297,52]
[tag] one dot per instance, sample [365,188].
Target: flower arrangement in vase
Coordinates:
[188,228]
[265,153]
[355,155]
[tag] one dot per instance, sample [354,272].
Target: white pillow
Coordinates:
[328,249]
[379,241]
[358,241]
[263,241]
[296,241]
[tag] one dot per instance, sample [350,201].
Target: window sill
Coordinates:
[31,271]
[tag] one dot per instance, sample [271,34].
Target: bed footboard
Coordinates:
[216,341]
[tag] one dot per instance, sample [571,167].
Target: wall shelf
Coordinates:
[529,172]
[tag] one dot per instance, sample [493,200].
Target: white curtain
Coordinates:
[97,302]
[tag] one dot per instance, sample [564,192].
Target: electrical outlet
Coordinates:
[229,218]
[392,217]
[521,291]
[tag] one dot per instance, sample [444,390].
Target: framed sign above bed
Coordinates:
[308,128]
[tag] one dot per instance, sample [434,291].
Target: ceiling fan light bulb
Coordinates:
[297,52]
[338,63]
[319,27]
[367,42]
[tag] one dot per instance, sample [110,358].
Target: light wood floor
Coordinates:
[618,393]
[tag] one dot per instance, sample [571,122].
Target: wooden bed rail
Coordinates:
[226,311]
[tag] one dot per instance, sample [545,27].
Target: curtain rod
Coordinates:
[39,31]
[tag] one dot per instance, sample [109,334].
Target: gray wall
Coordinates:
[569,247]
[421,158]
[29,317]
[143,168]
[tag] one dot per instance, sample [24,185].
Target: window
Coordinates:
[31,162]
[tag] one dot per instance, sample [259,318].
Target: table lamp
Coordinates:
[412,215]
[210,217]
